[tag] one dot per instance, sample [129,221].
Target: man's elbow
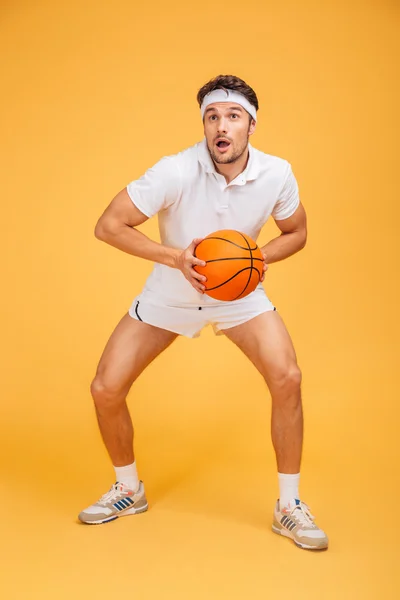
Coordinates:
[103,230]
[99,230]
[108,228]
[303,239]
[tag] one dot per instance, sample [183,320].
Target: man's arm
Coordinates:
[116,227]
[292,239]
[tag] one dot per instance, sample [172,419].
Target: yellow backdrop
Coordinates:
[93,94]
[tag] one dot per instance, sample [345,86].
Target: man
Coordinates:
[220,183]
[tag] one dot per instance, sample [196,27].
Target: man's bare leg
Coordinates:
[131,348]
[266,342]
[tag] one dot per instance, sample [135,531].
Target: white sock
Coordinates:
[288,488]
[128,475]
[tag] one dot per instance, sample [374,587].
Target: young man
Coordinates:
[220,183]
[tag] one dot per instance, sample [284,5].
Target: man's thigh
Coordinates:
[132,346]
[267,343]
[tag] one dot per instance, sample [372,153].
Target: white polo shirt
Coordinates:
[193,200]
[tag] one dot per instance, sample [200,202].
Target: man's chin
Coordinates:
[218,159]
[223,160]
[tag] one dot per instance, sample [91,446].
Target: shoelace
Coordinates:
[113,494]
[303,514]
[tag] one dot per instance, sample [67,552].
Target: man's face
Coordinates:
[227,128]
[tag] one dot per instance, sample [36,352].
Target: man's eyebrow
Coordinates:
[211,108]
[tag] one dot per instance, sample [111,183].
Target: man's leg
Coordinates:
[266,342]
[131,348]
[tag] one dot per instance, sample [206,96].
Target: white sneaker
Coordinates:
[296,522]
[119,501]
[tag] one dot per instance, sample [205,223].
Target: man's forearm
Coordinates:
[283,246]
[130,240]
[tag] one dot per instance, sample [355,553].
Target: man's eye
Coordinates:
[233,115]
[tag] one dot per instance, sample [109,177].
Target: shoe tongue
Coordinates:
[294,502]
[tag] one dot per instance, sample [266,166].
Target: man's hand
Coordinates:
[265,266]
[185,262]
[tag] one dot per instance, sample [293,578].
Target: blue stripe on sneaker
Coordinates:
[124,502]
[129,500]
[288,523]
[119,505]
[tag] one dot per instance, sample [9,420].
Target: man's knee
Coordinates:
[105,394]
[287,379]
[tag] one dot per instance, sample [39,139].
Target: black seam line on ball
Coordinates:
[136,311]
[233,243]
[230,278]
[233,258]
[251,268]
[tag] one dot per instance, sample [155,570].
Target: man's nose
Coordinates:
[222,125]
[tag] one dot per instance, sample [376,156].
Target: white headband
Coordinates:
[228,96]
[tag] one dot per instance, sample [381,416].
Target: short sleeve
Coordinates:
[158,188]
[288,199]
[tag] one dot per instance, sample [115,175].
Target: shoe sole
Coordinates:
[298,544]
[123,513]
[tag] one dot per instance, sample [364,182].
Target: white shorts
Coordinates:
[190,320]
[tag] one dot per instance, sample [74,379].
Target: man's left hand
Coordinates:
[265,266]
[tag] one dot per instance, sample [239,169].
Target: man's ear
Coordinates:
[252,127]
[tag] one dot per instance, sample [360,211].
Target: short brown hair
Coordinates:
[228,82]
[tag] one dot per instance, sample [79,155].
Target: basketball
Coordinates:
[234,264]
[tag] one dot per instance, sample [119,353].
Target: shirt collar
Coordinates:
[250,173]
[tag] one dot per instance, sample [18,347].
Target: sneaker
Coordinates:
[119,501]
[296,522]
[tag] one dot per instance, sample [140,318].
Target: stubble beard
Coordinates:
[223,159]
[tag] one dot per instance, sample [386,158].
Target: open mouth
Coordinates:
[223,144]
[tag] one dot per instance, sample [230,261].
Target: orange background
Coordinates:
[93,95]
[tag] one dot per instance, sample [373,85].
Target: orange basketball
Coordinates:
[234,264]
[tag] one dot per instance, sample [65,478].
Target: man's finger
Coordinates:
[198,262]
[195,243]
[197,275]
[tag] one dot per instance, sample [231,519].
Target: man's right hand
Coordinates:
[185,262]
